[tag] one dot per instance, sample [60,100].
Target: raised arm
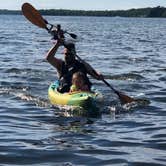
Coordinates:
[50,56]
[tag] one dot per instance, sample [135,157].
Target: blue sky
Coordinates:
[83,4]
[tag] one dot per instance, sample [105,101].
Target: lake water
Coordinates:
[130,52]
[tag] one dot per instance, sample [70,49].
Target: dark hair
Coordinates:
[58,26]
[70,47]
[81,75]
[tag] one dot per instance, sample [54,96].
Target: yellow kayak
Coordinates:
[86,100]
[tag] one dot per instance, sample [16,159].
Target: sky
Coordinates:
[82,4]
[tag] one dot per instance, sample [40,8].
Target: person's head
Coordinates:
[69,53]
[58,26]
[78,79]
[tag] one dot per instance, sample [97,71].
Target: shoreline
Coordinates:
[158,11]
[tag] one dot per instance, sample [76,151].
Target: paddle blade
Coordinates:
[33,15]
[124,99]
[73,35]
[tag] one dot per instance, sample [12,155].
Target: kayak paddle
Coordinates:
[36,18]
[74,36]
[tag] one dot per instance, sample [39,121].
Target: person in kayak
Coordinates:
[79,83]
[70,65]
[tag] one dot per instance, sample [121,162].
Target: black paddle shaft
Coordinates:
[74,36]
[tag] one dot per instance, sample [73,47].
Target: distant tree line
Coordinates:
[4,11]
[142,12]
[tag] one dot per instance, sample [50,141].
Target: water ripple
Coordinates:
[130,52]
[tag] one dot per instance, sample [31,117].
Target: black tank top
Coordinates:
[67,73]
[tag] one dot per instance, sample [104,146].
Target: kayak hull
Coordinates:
[88,101]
